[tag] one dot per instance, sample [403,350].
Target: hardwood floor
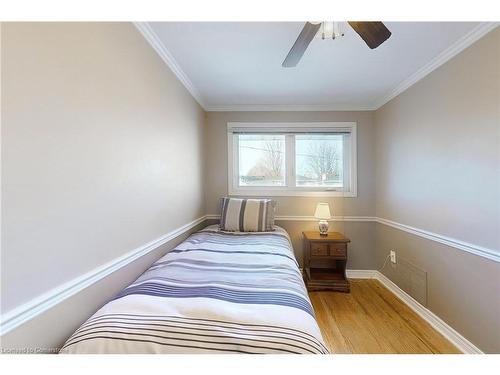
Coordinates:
[371,319]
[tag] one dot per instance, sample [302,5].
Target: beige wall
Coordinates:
[216,156]
[105,130]
[362,205]
[437,158]
[438,149]
[361,249]
[42,334]
[102,151]
[462,289]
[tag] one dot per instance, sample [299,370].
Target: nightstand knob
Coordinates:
[319,249]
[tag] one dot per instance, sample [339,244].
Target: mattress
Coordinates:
[216,292]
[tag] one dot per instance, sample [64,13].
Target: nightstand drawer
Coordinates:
[338,250]
[319,249]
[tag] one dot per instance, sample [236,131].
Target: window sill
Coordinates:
[290,193]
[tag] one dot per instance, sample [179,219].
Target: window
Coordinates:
[308,159]
[319,160]
[261,160]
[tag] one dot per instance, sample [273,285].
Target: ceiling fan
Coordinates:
[373,33]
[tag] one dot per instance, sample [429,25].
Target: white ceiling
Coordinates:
[237,66]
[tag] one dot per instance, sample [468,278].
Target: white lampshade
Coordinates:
[322,211]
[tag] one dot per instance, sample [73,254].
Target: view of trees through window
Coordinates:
[262,160]
[318,160]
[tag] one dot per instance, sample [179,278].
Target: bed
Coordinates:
[216,292]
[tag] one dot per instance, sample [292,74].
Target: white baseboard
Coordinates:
[42,303]
[464,345]
[361,274]
[29,310]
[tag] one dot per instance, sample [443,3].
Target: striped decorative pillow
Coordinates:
[247,215]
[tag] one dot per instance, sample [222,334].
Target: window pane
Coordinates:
[319,160]
[261,160]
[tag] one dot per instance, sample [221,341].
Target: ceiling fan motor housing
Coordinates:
[373,34]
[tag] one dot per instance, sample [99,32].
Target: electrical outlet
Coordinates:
[393,256]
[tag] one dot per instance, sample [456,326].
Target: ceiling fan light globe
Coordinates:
[330,30]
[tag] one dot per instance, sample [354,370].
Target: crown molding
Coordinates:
[474,35]
[285,108]
[152,38]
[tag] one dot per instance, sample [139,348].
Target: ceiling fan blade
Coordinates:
[373,33]
[299,47]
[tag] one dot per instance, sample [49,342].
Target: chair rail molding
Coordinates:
[452,242]
[309,218]
[29,310]
[448,241]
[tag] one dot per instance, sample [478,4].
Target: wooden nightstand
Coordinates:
[325,259]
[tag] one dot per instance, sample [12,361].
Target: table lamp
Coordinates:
[323,214]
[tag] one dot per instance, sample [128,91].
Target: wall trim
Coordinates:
[285,108]
[212,217]
[468,39]
[448,241]
[334,218]
[452,242]
[29,310]
[464,345]
[154,40]
[360,274]
[474,35]
[310,218]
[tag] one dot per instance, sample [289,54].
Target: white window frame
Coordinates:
[288,190]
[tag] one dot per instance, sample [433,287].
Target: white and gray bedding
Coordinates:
[247,215]
[217,292]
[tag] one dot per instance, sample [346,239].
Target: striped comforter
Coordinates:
[217,292]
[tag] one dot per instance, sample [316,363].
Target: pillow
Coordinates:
[247,215]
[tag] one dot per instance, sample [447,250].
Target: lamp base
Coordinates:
[323,228]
